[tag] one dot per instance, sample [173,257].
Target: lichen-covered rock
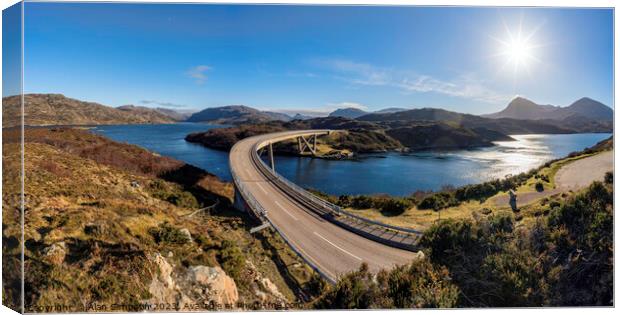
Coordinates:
[222,288]
[187,234]
[55,253]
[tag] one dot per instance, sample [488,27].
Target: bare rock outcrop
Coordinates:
[194,285]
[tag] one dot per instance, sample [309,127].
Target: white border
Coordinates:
[486,3]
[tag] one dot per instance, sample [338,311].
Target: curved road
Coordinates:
[572,176]
[583,172]
[328,247]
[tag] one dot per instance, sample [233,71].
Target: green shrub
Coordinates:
[160,190]
[438,201]
[609,178]
[355,290]
[581,239]
[394,206]
[232,261]
[166,233]
[419,284]
[362,202]
[183,199]
[539,186]
[344,201]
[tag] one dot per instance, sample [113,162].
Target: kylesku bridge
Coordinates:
[330,239]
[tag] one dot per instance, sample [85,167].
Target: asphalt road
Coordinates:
[573,176]
[328,247]
[583,172]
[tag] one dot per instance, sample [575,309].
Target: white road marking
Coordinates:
[319,235]
[261,188]
[292,216]
[323,269]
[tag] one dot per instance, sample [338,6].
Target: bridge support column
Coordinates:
[313,144]
[239,203]
[273,164]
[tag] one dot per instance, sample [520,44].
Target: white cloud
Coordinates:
[198,73]
[465,86]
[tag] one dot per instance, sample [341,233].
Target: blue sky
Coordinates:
[317,58]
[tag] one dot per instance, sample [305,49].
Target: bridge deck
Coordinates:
[325,245]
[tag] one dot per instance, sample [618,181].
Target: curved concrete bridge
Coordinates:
[329,239]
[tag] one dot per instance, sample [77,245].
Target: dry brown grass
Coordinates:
[103,208]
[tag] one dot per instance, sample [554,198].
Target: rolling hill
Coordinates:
[154,114]
[348,113]
[178,115]
[235,114]
[56,109]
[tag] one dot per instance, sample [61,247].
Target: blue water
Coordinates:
[391,173]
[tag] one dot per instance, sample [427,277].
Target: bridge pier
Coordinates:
[307,144]
[239,203]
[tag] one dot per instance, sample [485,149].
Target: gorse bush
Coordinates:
[582,247]
[166,233]
[419,284]
[386,204]
[180,198]
[233,261]
[438,201]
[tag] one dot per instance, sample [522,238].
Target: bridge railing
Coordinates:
[253,204]
[322,202]
[261,214]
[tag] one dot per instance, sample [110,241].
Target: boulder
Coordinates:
[222,288]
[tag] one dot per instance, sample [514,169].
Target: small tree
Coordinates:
[539,186]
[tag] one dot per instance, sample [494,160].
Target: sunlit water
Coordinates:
[391,173]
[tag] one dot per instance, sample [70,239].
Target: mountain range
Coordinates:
[521,116]
[522,108]
[351,112]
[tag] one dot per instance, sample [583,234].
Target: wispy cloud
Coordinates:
[198,73]
[464,86]
[162,104]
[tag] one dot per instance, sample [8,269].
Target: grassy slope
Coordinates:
[56,109]
[102,200]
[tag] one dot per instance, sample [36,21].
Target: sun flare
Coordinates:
[518,52]
[517,49]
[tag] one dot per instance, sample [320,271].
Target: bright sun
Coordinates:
[517,50]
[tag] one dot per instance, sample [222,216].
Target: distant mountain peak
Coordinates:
[593,109]
[236,114]
[523,108]
[349,112]
[521,101]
